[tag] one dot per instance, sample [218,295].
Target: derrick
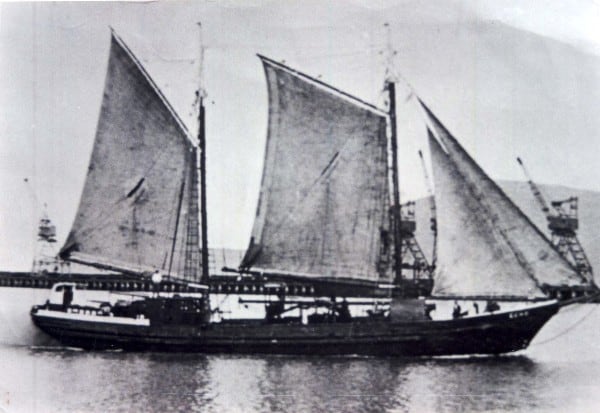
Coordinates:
[563,223]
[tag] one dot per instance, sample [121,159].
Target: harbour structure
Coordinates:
[563,223]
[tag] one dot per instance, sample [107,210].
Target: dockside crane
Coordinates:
[413,256]
[563,223]
[410,245]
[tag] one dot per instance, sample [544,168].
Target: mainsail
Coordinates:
[324,199]
[139,209]
[486,245]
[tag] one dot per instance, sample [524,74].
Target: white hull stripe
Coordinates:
[94,318]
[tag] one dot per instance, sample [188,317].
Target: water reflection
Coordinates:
[330,384]
[121,382]
[475,384]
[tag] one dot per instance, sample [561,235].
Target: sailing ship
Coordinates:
[328,209]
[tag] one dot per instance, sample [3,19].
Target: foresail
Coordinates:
[529,246]
[323,205]
[473,257]
[140,187]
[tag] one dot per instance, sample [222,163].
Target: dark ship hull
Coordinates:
[496,333]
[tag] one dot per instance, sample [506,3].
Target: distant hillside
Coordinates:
[519,192]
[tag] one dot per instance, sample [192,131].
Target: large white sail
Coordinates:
[138,209]
[473,257]
[508,229]
[324,199]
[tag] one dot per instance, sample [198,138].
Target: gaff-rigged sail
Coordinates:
[486,245]
[324,198]
[138,209]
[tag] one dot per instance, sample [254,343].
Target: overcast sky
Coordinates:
[507,78]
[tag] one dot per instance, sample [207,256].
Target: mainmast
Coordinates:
[202,148]
[390,86]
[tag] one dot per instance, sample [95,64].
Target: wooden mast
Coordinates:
[390,85]
[396,216]
[202,148]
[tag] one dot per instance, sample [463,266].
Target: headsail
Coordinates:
[477,212]
[324,198]
[473,258]
[138,209]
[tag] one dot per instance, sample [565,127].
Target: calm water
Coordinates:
[560,372]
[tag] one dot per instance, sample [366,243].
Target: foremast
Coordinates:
[203,213]
[139,211]
[202,166]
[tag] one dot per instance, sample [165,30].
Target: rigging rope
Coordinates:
[568,329]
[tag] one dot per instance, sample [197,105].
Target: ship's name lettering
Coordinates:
[518,314]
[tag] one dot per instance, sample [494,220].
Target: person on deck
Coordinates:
[344,311]
[491,306]
[456,312]
[67,296]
